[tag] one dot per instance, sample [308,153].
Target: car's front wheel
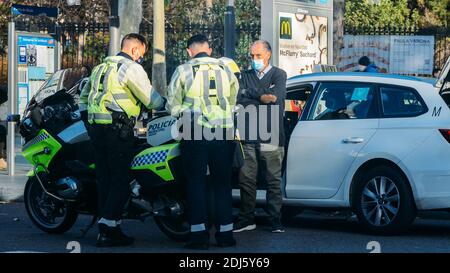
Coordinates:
[383,201]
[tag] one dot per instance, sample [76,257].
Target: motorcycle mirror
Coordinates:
[13,118]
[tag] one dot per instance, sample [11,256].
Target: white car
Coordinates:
[373,143]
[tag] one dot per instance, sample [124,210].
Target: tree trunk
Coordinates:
[338,29]
[159,48]
[130,13]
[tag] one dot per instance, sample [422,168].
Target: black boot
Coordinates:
[112,236]
[198,240]
[225,239]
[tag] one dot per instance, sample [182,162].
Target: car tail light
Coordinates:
[446,134]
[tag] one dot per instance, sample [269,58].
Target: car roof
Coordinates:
[358,76]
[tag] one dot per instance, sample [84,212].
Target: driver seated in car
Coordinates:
[336,106]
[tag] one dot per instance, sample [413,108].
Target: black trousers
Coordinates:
[113,156]
[3,133]
[196,156]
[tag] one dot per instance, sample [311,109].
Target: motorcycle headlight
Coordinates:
[28,129]
[27,124]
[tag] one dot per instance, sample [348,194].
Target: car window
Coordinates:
[296,99]
[344,101]
[295,103]
[401,101]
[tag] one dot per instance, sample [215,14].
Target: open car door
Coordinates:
[443,83]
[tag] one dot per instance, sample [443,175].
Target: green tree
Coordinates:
[361,13]
[432,12]
[89,11]
[248,18]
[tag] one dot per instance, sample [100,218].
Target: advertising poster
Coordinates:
[412,54]
[303,42]
[376,47]
[23,97]
[36,62]
[407,55]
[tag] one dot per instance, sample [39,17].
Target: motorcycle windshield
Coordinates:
[49,87]
[65,79]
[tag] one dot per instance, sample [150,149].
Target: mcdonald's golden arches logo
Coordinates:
[285,28]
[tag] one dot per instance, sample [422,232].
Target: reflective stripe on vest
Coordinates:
[104,84]
[100,118]
[96,74]
[211,102]
[107,93]
[189,75]
[219,87]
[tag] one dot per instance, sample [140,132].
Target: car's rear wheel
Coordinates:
[383,201]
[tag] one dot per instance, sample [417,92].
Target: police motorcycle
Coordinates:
[62,184]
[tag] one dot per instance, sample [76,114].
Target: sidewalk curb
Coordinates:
[12,187]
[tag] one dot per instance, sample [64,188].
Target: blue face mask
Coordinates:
[140,60]
[258,64]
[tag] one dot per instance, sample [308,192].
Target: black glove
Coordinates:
[163,105]
[84,116]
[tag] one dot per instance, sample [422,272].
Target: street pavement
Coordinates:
[11,187]
[307,233]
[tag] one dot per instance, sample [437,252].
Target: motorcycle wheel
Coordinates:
[47,213]
[176,228]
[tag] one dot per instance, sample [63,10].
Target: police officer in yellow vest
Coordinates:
[203,92]
[113,97]
[232,65]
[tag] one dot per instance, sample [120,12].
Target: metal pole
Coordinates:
[11,139]
[114,28]
[159,47]
[230,30]
[58,54]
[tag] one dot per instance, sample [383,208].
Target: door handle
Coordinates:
[353,140]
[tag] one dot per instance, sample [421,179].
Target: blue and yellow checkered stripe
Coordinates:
[150,159]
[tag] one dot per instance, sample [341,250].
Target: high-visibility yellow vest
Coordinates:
[209,94]
[107,94]
[231,64]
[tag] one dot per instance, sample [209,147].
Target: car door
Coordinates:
[442,83]
[403,121]
[341,120]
